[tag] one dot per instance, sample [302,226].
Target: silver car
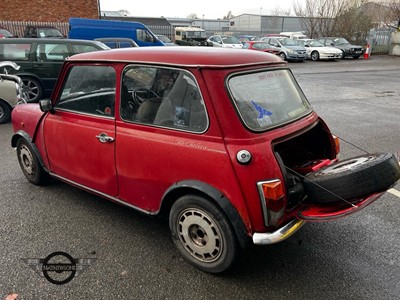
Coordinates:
[11,92]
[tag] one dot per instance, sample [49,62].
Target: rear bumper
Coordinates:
[279,235]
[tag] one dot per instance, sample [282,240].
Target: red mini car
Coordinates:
[261,46]
[222,143]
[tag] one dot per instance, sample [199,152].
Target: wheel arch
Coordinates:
[6,103]
[24,135]
[30,75]
[212,194]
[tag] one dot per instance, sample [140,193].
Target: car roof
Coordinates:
[181,56]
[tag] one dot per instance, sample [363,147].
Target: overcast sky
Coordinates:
[211,9]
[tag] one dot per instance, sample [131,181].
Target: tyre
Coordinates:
[203,234]
[282,55]
[5,112]
[352,178]
[356,57]
[315,55]
[30,164]
[32,89]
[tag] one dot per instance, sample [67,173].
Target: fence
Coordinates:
[17,27]
[379,39]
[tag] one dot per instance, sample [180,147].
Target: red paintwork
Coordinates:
[318,213]
[144,161]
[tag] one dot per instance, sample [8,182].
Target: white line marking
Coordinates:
[394,192]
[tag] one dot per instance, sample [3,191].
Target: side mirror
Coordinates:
[46,105]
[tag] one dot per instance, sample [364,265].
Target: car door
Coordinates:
[80,132]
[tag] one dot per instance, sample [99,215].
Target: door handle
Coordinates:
[104,138]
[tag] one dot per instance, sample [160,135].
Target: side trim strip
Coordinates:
[102,194]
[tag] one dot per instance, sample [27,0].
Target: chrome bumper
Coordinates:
[278,236]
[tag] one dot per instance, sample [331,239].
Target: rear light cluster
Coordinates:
[273,201]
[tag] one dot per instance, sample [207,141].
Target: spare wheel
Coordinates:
[352,178]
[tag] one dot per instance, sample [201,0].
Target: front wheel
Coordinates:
[315,55]
[282,55]
[30,164]
[203,234]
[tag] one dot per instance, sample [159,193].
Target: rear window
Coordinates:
[268,99]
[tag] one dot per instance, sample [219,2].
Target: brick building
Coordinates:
[48,10]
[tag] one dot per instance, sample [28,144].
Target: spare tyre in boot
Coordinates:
[352,178]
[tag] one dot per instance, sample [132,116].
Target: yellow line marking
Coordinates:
[394,192]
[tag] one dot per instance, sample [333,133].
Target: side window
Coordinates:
[89,89]
[15,51]
[54,52]
[274,42]
[144,35]
[162,96]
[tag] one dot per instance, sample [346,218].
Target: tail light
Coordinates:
[337,144]
[273,202]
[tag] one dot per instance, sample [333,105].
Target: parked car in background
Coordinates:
[288,48]
[261,46]
[10,91]
[118,42]
[154,129]
[33,31]
[4,33]
[225,41]
[166,40]
[316,50]
[40,60]
[191,36]
[347,49]
[247,38]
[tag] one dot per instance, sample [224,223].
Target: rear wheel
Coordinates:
[32,89]
[282,55]
[203,234]
[30,164]
[5,112]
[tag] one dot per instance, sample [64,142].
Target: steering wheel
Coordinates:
[142,94]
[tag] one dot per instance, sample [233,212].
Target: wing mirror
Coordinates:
[46,105]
